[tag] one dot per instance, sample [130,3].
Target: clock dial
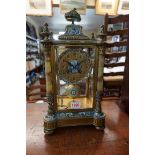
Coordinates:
[73,65]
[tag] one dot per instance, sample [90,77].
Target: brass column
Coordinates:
[50,118]
[99,116]
[48,75]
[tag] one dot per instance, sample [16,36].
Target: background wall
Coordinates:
[57,23]
[89,2]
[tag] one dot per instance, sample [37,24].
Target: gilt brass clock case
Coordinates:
[72,66]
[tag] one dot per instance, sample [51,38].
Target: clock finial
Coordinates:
[73,16]
[45,32]
[73,31]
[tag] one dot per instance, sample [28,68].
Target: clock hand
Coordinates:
[79,63]
[69,63]
[78,67]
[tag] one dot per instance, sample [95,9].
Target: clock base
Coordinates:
[63,119]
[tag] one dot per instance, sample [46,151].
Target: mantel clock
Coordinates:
[74,77]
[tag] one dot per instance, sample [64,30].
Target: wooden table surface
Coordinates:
[79,140]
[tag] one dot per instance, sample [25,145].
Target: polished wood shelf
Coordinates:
[79,140]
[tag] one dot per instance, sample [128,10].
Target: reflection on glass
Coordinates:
[77,94]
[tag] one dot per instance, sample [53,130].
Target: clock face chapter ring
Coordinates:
[74,65]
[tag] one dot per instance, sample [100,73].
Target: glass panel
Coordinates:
[75,77]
